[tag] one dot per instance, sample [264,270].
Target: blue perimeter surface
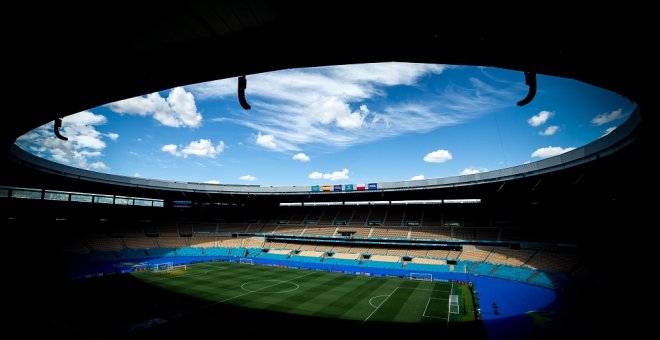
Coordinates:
[514,299]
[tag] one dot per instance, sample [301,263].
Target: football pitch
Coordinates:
[322,294]
[213,297]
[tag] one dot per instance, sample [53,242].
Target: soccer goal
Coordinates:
[246,261]
[168,267]
[160,267]
[180,267]
[453,304]
[421,276]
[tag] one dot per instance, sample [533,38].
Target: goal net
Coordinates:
[246,261]
[160,267]
[169,267]
[421,276]
[453,304]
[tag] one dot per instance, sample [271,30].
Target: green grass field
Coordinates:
[258,300]
[324,294]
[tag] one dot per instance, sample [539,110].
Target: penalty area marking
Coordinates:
[382,303]
[182,275]
[427,306]
[451,292]
[377,296]
[413,288]
[277,282]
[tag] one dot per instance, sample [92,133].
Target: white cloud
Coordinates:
[333,176]
[301,157]
[337,175]
[98,165]
[416,178]
[471,171]
[112,135]
[607,117]
[549,131]
[172,149]
[438,156]
[267,141]
[326,106]
[202,148]
[212,182]
[177,110]
[85,141]
[137,174]
[89,141]
[333,110]
[247,178]
[305,85]
[84,118]
[540,118]
[608,131]
[550,151]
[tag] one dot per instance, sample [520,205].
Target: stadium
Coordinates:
[536,250]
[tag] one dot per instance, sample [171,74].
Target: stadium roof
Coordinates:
[140,50]
[88,57]
[345,124]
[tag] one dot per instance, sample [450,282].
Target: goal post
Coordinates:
[246,261]
[165,266]
[168,267]
[421,276]
[180,267]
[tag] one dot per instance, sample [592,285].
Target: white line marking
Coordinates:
[259,290]
[174,277]
[435,290]
[372,305]
[255,291]
[451,292]
[187,275]
[382,303]
[427,306]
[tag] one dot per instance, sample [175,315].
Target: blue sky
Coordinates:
[335,125]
